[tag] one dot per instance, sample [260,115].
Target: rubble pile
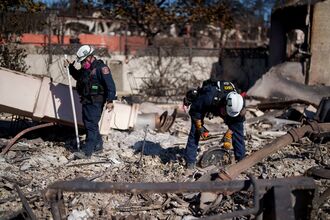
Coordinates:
[44,157]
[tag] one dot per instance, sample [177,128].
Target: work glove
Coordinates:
[186,102]
[67,63]
[228,140]
[109,106]
[201,130]
[204,133]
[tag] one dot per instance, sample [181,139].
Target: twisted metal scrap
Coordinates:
[292,136]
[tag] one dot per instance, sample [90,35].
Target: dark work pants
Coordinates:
[238,141]
[91,114]
[192,144]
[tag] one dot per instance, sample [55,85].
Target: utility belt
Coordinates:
[96,89]
[97,98]
[92,99]
[96,92]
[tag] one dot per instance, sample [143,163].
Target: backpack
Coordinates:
[222,87]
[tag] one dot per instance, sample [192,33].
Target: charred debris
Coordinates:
[141,173]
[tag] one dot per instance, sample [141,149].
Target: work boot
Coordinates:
[190,169]
[98,148]
[191,166]
[81,155]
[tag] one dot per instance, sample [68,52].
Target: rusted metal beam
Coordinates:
[13,140]
[54,193]
[83,185]
[293,135]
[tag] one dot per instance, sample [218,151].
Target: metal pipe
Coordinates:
[293,135]
[72,103]
[83,185]
[13,140]
[54,193]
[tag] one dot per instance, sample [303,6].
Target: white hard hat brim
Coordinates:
[80,59]
[232,114]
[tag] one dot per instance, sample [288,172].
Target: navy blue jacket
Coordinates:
[98,74]
[205,103]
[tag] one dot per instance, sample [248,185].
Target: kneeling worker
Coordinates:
[216,98]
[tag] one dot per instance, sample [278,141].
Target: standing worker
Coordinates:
[215,98]
[95,87]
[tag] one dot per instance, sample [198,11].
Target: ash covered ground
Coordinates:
[43,157]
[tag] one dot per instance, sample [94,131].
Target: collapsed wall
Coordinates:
[285,81]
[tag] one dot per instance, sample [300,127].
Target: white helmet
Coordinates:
[83,52]
[234,104]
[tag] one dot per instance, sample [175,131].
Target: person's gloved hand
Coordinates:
[228,140]
[109,106]
[186,102]
[67,63]
[204,133]
[201,130]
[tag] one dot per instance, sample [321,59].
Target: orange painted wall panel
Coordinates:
[113,43]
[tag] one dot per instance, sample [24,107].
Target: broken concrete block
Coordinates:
[80,215]
[206,199]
